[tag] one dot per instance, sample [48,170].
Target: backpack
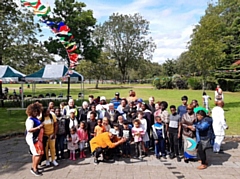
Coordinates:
[61,126]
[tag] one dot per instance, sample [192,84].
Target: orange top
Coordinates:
[102,140]
[99,130]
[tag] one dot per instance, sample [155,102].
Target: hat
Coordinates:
[113,131]
[72,111]
[140,100]
[184,98]
[117,94]
[195,110]
[103,98]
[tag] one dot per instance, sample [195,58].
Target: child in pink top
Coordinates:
[137,133]
[83,138]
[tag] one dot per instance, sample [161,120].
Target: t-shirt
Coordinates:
[181,110]
[174,120]
[48,124]
[91,126]
[206,97]
[99,130]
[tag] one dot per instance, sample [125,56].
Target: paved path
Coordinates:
[15,163]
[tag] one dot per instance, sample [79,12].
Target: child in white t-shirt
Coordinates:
[205,100]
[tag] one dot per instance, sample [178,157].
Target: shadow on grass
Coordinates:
[232,105]
[111,88]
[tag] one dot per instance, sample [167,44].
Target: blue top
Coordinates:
[181,110]
[116,102]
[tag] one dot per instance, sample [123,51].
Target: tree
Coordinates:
[19,46]
[169,67]
[126,40]
[81,23]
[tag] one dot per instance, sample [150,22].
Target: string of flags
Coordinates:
[60,29]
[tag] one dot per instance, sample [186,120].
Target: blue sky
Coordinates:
[171,21]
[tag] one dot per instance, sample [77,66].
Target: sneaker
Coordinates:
[54,163]
[141,157]
[178,159]
[96,162]
[47,163]
[36,173]
[164,157]
[157,157]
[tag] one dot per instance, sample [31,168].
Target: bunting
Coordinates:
[60,29]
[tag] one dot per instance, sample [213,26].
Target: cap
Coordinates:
[140,100]
[117,94]
[195,110]
[113,131]
[103,98]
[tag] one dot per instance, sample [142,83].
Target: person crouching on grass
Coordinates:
[103,142]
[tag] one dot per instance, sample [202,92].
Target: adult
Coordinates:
[82,113]
[188,133]
[151,104]
[132,96]
[71,122]
[182,109]
[50,131]
[131,112]
[101,143]
[218,94]
[194,103]
[204,135]
[121,108]
[70,106]
[116,100]
[102,107]
[158,109]
[165,119]
[91,101]
[111,114]
[51,106]
[219,125]
[139,104]
[34,135]
[93,109]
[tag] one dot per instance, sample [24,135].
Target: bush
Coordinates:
[167,83]
[157,83]
[195,83]
[178,82]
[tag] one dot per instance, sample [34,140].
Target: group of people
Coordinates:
[110,129]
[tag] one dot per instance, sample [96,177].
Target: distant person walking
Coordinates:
[218,94]
[205,100]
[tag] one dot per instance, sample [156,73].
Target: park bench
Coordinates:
[15,109]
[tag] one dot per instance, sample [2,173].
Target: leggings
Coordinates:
[138,149]
[202,153]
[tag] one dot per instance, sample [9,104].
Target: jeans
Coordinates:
[126,148]
[60,145]
[160,147]
[202,153]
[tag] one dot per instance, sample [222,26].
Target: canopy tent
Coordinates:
[8,74]
[56,72]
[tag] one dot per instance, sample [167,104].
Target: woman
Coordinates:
[34,136]
[204,135]
[50,131]
[157,109]
[188,134]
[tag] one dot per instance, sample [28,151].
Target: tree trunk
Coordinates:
[96,87]
[1,92]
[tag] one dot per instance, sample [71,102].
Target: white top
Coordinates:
[216,94]
[144,127]
[205,98]
[219,123]
[120,110]
[29,125]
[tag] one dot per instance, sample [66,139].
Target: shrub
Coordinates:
[195,83]
[157,83]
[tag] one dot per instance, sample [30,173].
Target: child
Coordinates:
[205,100]
[174,130]
[158,135]
[73,143]
[126,133]
[91,124]
[83,138]
[137,133]
[106,124]
[99,129]
[144,127]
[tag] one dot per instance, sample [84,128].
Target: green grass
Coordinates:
[15,122]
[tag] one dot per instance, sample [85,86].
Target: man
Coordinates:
[111,114]
[116,101]
[102,107]
[91,101]
[182,109]
[219,125]
[82,113]
[66,110]
[101,143]
[151,104]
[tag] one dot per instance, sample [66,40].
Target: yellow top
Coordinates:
[48,124]
[99,130]
[102,140]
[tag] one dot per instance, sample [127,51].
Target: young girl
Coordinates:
[99,129]
[144,127]
[106,124]
[73,143]
[83,138]
[137,133]
[205,100]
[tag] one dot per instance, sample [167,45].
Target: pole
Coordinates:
[22,95]
[68,90]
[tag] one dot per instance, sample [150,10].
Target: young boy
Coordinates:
[99,129]
[174,130]
[127,134]
[91,125]
[158,135]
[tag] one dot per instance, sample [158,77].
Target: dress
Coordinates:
[144,127]
[73,145]
[83,138]
[189,136]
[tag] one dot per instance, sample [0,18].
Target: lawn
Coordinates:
[15,121]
